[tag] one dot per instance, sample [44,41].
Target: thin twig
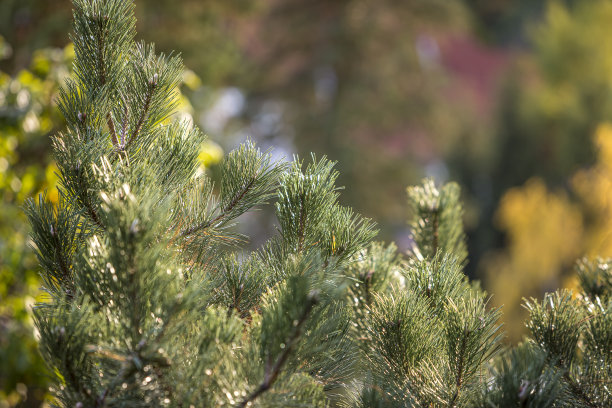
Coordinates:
[102,70]
[125,121]
[273,371]
[101,398]
[436,226]
[143,115]
[94,215]
[302,224]
[111,128]
[232,204]
[91,211]
[367,280]
[578,391]
[460,370]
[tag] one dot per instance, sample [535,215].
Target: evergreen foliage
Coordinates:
[427,335]
[436,221]
[566,362]
[151,301]
[148,302]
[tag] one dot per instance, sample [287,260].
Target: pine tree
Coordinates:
[151,301]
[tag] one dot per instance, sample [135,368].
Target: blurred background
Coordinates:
[510,98]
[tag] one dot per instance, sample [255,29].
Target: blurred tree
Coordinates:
[316,76]
[558,109]
[593,188]
[363,82]
[27,117]
[557,93]
[205,33]
[29,25]
[506,22]
[547,232]
[544,231]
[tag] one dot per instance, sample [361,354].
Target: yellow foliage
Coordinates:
[544,228]
[191,79]
[51,181]
[594,189]
[580,36]
[547,233]
[210,153]
[544,231]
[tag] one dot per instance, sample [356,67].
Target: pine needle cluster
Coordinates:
[567,359]
[426,333]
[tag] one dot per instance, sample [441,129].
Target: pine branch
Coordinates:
[224,213]
[240,195]
[144,113]
[579,392]
[101,47]
[272,372]
[91,211]
[249,178]
[111,127]
[124,123]
[460,371]
[94,215]
[63,267]
[202,226]
[435,234]
[56,235]
[436,220]
[302,224]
